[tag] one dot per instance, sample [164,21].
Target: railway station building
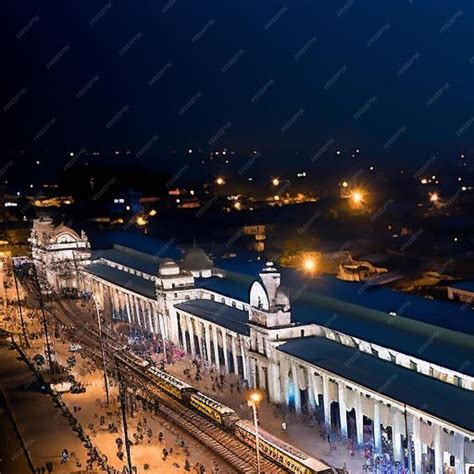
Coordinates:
[357,357]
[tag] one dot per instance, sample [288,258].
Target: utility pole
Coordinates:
[123,409]
[99,323]
[23,329]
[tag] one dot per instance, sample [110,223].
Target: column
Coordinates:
[274,383]
[459,452]
[189,323]
[234,355]
[342,408]
[296,386]
[199,339]
[183,332]
[244,359]
[137,310]
[224,348]
[208,343]
[311,389]
[284,381]
[127,307]
[396,435]
[438,451]
[327,407]
[376,424]
[216,346]
[359,421]
[417,444]
[150,318]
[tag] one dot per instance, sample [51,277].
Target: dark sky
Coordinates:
[392,77]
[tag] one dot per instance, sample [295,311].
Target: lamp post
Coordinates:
[254,397]
[22,322]
[99,322]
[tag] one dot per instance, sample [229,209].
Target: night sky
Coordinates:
[394,78]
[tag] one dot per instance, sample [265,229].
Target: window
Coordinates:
[413,365]
[302,333]
[457,381]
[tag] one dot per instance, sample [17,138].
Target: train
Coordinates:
[288,457]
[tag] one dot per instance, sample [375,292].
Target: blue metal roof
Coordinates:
[137,241]
[440,399]
[142,263]
[231,318]
[238,290]
[404,334]
[441,313]
[126,280]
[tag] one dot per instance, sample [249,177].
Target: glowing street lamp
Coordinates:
[254,398]
[275,182]
[309,264]
[434,197]
[220,181]
[357,197]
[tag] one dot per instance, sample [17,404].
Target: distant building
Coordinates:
[358,271]
[461,291]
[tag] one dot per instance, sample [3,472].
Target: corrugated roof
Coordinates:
[126,280]
[133,260]
[429,342]
[219,313]
[440,399]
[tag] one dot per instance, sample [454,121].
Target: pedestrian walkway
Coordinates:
[42,426]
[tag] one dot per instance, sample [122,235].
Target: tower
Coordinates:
[269,301]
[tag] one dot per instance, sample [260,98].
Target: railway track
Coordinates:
[225,444]
[238,455]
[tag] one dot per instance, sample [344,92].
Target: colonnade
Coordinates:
[223,348]
[348,409]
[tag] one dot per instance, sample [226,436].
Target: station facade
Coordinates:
[416,404]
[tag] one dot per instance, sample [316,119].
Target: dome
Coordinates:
[196,259]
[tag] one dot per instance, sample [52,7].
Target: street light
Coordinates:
[309,264]
[254,397]
[357,197]
[102,347]
[275,182]
[220,181]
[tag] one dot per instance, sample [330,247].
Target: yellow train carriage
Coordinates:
[169,384]
[290,458]
[219,413]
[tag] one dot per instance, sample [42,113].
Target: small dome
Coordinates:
[196,259]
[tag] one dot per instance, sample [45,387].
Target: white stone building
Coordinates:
[356,367]
[58,251]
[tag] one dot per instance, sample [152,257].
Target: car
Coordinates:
[75,347]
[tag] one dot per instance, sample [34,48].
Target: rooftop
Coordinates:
[124,279]
[442,400]
[231,318]
[130,258]
[402,333]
